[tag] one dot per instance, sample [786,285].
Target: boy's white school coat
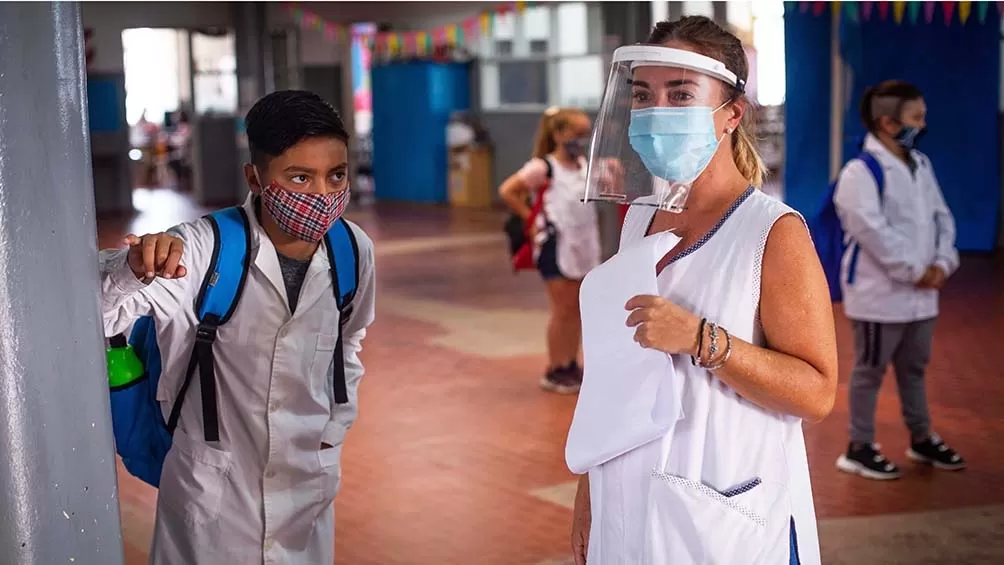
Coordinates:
[264,492]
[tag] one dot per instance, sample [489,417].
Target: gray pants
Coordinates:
[908,348]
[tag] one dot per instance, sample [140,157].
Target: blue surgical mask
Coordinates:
[908,137]
[675,144]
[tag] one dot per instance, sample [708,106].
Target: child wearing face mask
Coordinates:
[565,234]
[279,391]
[901,254]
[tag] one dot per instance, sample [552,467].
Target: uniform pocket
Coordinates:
[324,354]
[693,523]
[331,470]
[194,478]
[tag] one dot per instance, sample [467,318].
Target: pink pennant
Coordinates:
[866,10]
[803,7]
[883,10]
[929,11]
[818,8]
[949,9]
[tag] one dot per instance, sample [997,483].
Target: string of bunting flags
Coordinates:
[407,43]
[950,11]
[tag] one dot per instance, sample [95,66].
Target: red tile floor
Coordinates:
[457,457]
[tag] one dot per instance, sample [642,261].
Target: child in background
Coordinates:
[565,234]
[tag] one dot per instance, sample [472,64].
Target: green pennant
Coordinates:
[913,10]
[981,10]
[852,10]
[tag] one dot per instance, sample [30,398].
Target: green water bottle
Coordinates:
[124,367]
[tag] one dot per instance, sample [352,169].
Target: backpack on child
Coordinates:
[518,230]
[828,234]
[142,437]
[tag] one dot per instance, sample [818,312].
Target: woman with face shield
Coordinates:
[741,319]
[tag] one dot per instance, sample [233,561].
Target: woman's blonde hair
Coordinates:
[555,119]
[709,39]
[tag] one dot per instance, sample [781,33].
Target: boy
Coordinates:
[263,492]
[903,252]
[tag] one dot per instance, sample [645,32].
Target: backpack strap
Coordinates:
[876,170]
[221,290]
[343,256]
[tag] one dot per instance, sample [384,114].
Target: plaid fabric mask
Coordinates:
[304,216]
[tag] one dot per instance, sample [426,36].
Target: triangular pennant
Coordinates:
[981,11]
[486,24]
[897,11]
[803,7]
[1000,7]
[836,6]
[818,8]
[520,7]
[949,10]
[866,10]
[852,10]
[964,10]
[914,9]
[883,10]
[928,11]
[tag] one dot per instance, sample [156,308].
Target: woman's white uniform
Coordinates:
[575,225]
[729,483]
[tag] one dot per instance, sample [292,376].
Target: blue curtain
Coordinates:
[958,68]
[807,108]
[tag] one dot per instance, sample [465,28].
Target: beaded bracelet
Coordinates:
[725,356]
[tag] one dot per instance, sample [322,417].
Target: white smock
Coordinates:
[574,224]
[729,482]
[263,494]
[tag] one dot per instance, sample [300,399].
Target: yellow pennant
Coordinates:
[898,8]
[964,10]
[836,7]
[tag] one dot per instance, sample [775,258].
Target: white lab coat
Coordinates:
[264,492]
[909,229]
[724,485]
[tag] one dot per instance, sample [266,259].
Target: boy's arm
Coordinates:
[124,297]
[363,313]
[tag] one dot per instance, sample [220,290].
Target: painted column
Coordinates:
[58,494]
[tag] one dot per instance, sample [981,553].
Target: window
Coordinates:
[699,9]
[546,55]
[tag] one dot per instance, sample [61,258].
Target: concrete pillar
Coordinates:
[58,497]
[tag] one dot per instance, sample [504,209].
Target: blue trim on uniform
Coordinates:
[793,545]
[707,237]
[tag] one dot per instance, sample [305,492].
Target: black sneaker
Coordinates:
[868,462]
[563,380]
[933,451]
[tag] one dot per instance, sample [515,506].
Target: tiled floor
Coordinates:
[458,458]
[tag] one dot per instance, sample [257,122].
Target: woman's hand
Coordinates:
[581,520]
[663,325]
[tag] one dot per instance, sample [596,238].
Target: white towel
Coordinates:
[629,394]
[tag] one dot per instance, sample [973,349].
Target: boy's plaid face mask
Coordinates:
[304,216]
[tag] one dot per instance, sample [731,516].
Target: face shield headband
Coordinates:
[667,99]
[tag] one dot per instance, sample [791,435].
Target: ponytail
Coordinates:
[554,120]
[744,151]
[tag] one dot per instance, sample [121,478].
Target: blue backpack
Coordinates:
[828,235]
[142,438]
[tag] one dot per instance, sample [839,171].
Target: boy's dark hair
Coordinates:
[284,118]
[886,99]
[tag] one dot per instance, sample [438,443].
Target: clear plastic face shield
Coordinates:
[655,131]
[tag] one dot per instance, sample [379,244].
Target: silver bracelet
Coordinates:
[725,357]
[713,345]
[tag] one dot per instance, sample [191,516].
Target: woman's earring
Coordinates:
[728,131]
